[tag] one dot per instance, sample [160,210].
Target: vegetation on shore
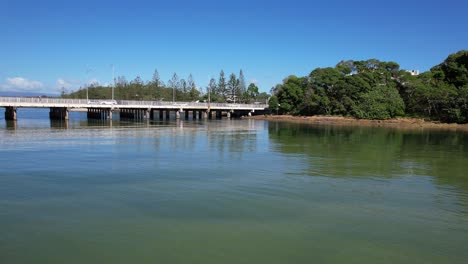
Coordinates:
[369,89]
[232,90]
[373,89]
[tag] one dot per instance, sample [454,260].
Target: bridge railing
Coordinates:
[42,100]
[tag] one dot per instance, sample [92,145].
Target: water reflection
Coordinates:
[230,189]
[11,124]
[59,124]
[375,152]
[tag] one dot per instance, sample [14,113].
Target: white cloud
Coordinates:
[67,84]
[93,81]
[21,84]
[254,81]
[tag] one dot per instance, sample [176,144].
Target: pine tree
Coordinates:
[221,89]
[211,91]
[194,93]
[232,87]
[157,84]
[174,84]
[241,87]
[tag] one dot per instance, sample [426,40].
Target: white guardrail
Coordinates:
[44,101]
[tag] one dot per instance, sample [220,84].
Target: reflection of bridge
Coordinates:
[103,109]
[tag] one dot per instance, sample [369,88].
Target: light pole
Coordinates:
[209,95]
[88,70]
[113,81]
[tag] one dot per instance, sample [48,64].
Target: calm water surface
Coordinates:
[229,191]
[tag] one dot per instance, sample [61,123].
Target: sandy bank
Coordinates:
[402,123]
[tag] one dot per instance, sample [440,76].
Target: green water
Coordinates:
[238,191]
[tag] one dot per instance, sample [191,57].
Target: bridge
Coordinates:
[104,109]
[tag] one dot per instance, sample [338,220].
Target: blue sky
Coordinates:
[46,45]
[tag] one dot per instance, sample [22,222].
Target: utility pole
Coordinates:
[209,95]
[87,84]
[113,81]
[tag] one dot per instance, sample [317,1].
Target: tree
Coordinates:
[380,103]
[454,69]
[194,93]
[273,104]
[157,84]
[290,94]
[232,87]
[241,86]
[221,89]
[174,84]
[212,97]
[251,93]
[183,91]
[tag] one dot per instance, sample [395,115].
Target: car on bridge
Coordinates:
[109,102]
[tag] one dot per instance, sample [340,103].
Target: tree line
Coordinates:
[374,89]
[231,89]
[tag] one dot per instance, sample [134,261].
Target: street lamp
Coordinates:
[113,81]
[88,70]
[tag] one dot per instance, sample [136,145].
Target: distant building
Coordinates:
[413,72]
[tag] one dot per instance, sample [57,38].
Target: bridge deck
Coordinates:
[35,102]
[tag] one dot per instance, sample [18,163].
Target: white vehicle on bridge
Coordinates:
[109,102]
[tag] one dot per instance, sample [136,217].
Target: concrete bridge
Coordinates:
[104,109]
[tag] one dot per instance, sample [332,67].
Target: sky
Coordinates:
[47,45]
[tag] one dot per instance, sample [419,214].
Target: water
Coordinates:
[230,191]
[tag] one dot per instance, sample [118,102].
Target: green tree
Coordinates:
[251,93]
[273,104]
[222,87]
[290,94]
[193,92]
[157,85]
[232,88]
[174,84]
[241,89]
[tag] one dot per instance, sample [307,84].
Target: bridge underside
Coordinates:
[62,113]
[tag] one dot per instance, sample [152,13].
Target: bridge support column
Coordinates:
[209,114]
[177,114]
[168,113]
[218,114]
[161,114]
[186,115]
[229,114]
[100,113]
[151,114]
[194,115]
[10,113]
[58,113]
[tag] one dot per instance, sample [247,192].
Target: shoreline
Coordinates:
[399,123]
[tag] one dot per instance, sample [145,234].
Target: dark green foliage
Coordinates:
[382,102]
[176,89]
[374,89]
[251,94]
[440,94]
[291,94]
[273,104]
